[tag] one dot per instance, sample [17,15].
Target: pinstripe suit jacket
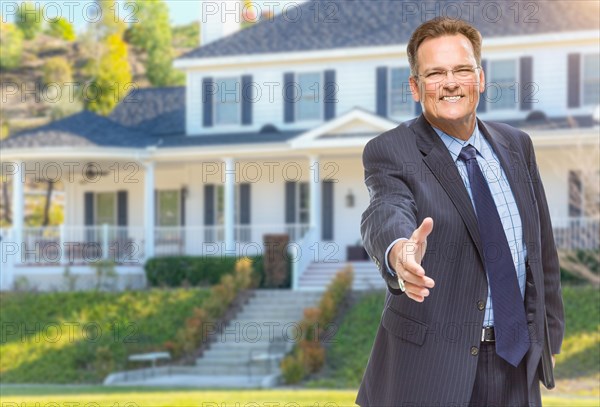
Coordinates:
[425,354]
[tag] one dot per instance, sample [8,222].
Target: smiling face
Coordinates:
[450,104]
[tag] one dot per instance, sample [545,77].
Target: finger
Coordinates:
[421,233]
[415,297]
[416,289]
[420,281]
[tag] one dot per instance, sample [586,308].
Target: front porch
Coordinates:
[46,251]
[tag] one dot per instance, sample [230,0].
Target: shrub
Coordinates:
[292,368]
[172,271]
[309,354]
[194,333]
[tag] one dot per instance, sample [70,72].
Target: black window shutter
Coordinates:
[382,99]
[289,97]
[329,92]
[247,97]
[245,203]
[207,102]
[290,202]
[209,205]
[327,210]
[574,80]
[88,203]
[182,203]
[88,211]
[526,79]
[122,208]
[482,106]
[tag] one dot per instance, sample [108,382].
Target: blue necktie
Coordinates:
[510,323]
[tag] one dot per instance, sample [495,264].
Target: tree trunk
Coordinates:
[48,202]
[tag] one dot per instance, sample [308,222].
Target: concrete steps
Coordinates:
[319,275]
[268,316]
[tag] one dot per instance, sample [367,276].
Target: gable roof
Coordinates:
[158,111]
[333,24]
[79,130]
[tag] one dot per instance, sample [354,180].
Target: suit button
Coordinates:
[480,305]
[474,350]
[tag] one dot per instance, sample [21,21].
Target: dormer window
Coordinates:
[227,101]
[310,101]
[591,80]
[502,85]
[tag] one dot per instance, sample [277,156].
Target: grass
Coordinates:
[134,396]
[579,358]
[80,337]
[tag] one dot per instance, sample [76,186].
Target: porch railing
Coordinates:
[125,244]
[576,233]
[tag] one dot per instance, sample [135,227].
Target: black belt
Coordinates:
[487,334]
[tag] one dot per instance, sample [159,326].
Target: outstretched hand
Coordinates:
[406,256]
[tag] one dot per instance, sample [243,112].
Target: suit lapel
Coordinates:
[440,163]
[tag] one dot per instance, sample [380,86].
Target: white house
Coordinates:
[267,136]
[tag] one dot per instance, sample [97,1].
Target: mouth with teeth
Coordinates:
[451,99]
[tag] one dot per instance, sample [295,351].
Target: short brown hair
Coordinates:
[439,27]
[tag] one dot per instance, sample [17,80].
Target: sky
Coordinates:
[180,11]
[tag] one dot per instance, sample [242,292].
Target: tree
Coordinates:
[61,28]
[153,34]
[112,77]
[57,70]
[11,46]
[29,19]
[110,22]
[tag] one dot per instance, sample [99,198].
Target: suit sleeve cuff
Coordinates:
[387,252]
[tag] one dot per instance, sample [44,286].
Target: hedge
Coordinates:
[177,271]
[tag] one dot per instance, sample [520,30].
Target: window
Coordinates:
[400,102]
[591,80]
[227,101]
[584,194]
[303,203]
[309,105]
[502,84]
[169,208]
[220,204]
[575,194]
[106,208]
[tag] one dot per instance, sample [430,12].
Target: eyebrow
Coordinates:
[439,68]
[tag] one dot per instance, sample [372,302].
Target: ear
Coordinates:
[414,88]
[481,81]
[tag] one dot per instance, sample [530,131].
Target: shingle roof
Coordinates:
[331,24]
[88,129]
[157,111]
[79,130]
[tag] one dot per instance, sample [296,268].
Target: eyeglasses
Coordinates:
[462,74]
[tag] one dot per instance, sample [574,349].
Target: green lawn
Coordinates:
[137,397]
[80,337]
[579,358]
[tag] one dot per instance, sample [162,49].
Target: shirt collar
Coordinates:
[455,145]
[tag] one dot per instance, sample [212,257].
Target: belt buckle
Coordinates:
[483,334]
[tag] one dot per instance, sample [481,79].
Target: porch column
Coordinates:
[229,205]
[149,209]
[315,196]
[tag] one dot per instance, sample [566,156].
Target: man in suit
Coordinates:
[458,225]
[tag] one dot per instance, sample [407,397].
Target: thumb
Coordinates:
[421,233]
